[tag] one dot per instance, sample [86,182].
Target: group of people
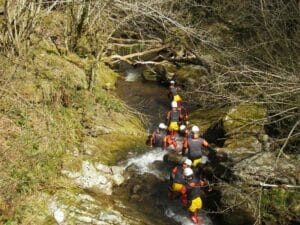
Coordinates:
[187,179]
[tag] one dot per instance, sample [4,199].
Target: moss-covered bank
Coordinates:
[52,118]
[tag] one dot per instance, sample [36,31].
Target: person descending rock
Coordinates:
[190,194]
[173,95]
[174,117]
[194,146]
[158,136]
[177,179]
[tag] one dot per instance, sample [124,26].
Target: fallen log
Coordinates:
[262,184]
[130,41]
[127,58]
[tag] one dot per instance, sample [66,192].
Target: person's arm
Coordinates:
[184,145]
[165,143]
[183,197]
[174,171]
[168,117]
[175,144]
[205,144]
[152,139]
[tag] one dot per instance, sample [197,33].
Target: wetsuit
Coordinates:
[195,149]
[157,138]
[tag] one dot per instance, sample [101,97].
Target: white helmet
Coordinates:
[188,162]
[182,127]
[162,126]
[172,82]
[195,129]
[188,172]
[174,104]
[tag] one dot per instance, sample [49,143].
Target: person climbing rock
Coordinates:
[185,114]
[190,194]
[158,136]
[174,117]
[184,131]
[170,143]
[194,147]
[177,179]
[172,94]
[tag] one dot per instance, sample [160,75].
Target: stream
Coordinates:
[147,187]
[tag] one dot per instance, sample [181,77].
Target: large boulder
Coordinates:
[192,74]
[244,118]
[257,168]
[243,126]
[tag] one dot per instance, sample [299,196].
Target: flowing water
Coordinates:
[148,172]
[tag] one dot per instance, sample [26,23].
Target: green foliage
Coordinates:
[280,206]
[46,113]
[245,117]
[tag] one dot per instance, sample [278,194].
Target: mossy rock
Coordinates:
[104,75]
[117,147]
[231,196]
[239,148]
[149,75]
[245,118]
[165,71]
[207,118]
[192,74]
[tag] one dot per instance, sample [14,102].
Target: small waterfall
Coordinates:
[144,162]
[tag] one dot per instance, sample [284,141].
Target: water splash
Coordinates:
[181,216]
[144,162]
[132,75]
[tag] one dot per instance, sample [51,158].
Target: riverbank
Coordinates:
[52,121]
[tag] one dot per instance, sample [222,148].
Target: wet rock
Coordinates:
[117,170]
[136,188]
[58,212]
[118,179]
[97,177]
[69,208]
[174,158]
[103,168]
[132,169]
[149,75]
[136,197]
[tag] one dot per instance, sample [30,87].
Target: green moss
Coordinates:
[240,144]
[118,146]
[83,47]
[57,69]
[48,114]
[245,117]
[192,73]
[280,205]
[104,75]
[47,47]
[206,118]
